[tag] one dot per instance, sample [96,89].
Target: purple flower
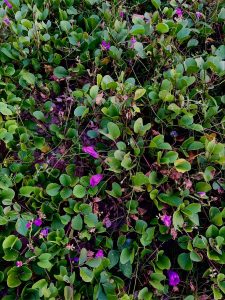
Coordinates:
[166,220]
[105,45]
[6,21]
[179,12]
[44,232]
[121,14]
[202,194]
[19,263]
[99,254]
[132,42]
[198,14]
[174,133]
[75,259]
[38,222]
[95,179]
[174,278]
[8,3]
[90,150]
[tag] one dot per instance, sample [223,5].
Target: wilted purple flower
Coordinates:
[166,220]
[179,12]
[99,254]
[174,278]
[132,42]
[105,45]
[19,263]
[44,232]
[174,133]
[202,194]
[6,21]
[28,225]
[198,14]
[95,179]
[8,3]
[38,222]
[90,150]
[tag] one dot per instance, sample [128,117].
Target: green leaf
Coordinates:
[139,179]
[178,220]
[185,262]
[140,226]
[65,25]
[65,180]
[28,77]
[172,200]
[114,258]
[26,190]
[182,165]
[156,3]
[52,189]
[114,131]
[9,241]
[4,110]
[79,191]
[163,262]
[125,256]
[25,273]
[183,34]
[77,223]
[144,294]
[194,256]
[91,220]
[94,91]
[83,256]
[44,261]
[137,29]
[21,226]
[13,280]
[195,146]
[86,274]
[60,72]
[80,111]
[39,115]
[139,93]
[203,187]
[209,173]
[147,236]
[162,28]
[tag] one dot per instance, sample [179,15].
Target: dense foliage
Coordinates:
[112,149]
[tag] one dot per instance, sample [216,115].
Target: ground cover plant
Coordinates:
[112,149]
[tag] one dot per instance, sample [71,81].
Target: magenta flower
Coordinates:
[28,225]
[8,3]
[6,21]
[38,222]
[202,194]
[179,12]
[95,179]
[198,14]
[99,254]
[166,220]
[44,232]
[19,263]
[105,45]
[132,42]
[90,150]
[174,278]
